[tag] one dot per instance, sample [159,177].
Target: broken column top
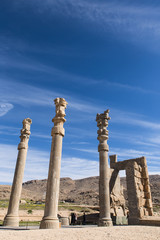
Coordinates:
[25,133]
[61,105]
[26,126]
[102,123]
[103,117]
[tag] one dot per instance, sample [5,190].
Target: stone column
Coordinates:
[12,217]
[50,219]
[104,178]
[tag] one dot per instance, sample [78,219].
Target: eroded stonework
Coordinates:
[12,217]
[50,219]
[138,186]
[104,171]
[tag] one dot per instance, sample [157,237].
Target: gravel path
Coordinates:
[87,233]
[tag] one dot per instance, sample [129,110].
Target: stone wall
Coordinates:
[138,187]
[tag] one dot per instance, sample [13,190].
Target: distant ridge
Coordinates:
[81,191]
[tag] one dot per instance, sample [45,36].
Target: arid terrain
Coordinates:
[82,191]
[87,233]
[78,192]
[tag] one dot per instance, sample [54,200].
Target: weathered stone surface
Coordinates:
[147,195]
[104,178]
[145,172]
[50,219]
[12,217]
[137,173]
[138,187]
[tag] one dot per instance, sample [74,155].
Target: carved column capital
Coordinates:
[102,123]
[25,133]
[59,119]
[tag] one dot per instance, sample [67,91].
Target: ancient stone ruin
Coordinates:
[12,217]
[138,187]
[104,175]
[110,195]
[50,219]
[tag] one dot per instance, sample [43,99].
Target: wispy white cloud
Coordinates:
[27,95]
[135,119]
[37,164]
[130,21]
[5,108]
[136,139]
[87,150]
[153,156]
[155,139]
[30,65]
[21,62]
[129,87]
[77,168]
[140,123]
[40,135]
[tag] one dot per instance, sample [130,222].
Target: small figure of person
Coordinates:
[73,218]
[84,219]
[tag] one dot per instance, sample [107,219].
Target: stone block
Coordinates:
[137,173]
[146,212]
[120,220]
[150,211]
[113,159]
[148,203]
[146,181]
[141,201]
[64,221]
[136,166]
[141,211]
[147,188]
[140,168]
[143,161]
[140,187]
[147,195]
[145,172]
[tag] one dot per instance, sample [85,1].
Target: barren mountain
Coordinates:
[82,191]
[154,184]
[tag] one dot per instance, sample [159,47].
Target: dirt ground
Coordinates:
[87,233]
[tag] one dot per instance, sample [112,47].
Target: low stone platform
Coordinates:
[150,221]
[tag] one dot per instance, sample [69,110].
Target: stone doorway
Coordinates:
[138,187]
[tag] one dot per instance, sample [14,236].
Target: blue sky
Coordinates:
[97,55]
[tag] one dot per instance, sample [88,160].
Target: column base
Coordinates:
[49,223]
[105,222]
[11,221]
[64,221]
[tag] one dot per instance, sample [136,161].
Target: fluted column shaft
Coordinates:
[104,176]
[50,219]
[12,217]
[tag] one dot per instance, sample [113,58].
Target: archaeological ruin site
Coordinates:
[112,207]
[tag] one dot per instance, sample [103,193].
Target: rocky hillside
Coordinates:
[82,191]
[6,189]
[155,187]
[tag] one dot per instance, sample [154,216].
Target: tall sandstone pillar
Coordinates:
[50,219]
[104,178]
[12,217]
